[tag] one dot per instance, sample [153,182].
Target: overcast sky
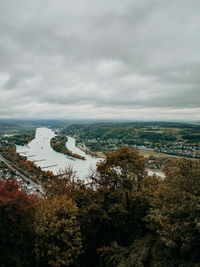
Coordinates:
[134,59]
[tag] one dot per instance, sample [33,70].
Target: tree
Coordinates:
[62,184]
[137,254]
[115,207]
[16,217]
[119,181]
[124,168]
[175,216]
[58,238]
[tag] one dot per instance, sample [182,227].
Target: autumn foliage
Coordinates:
[16,217]
[121,218]
[58,238]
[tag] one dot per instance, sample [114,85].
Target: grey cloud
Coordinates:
[123,55]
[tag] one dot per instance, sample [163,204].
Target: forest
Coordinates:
[138,133]
[122,217]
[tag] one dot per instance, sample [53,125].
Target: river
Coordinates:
[40,151]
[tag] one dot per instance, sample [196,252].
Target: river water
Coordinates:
[40,151]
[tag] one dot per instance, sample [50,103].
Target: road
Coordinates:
[25,178]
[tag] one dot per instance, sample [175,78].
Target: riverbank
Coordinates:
[89,152]
[103,156]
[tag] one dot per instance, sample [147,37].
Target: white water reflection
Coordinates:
[159,173]
[40,151]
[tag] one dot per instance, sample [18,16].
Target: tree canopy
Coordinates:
[58,238]
[122,217]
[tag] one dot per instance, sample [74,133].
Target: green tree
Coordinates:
[124,168]
[175,216]
[137,254]
[116,207]
[58,238]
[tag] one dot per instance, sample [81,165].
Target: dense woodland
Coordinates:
[122,217]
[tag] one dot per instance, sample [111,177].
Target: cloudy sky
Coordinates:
[133,59]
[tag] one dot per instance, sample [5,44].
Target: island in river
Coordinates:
[58,143]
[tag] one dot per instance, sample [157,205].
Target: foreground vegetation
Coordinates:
[121,218]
